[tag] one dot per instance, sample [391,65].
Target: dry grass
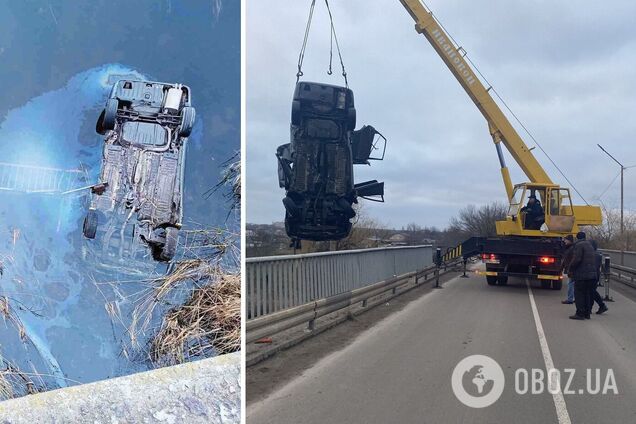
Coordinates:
[208,323]
[192,311]
[13,381]
[230,177]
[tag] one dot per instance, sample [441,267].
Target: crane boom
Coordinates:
[500,127]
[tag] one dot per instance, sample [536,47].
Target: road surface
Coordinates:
[399,371]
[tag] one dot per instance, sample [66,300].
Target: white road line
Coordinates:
[557,396]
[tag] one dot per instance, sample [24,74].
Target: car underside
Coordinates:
[146,125]
[316,167]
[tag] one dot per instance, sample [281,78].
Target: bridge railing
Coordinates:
[278,283]
[621,257]
[623,266]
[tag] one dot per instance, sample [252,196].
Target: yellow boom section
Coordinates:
[500,127]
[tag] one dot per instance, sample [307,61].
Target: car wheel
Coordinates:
[556,285]
[110,114]
[351,118]
[99,126]
[170,246]
[188,115]
[502,281]
[90,224]
[491,280]
[545,284]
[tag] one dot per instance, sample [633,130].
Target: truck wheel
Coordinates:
[188,115]
[90,224]
[110,114]
[546,284]
[170,247]
[557,284]
[502,281]
[491,280]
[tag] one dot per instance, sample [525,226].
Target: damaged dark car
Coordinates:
[146,126]
[316,168]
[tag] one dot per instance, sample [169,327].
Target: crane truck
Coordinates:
[528,246]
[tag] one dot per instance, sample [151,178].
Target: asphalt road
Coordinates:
[399,371]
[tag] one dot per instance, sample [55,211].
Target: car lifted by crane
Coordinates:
[527,244]
[316,167]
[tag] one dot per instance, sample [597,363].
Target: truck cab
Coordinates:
[539,210]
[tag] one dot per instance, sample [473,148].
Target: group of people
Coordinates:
[582,263]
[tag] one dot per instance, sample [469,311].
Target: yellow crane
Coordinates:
[528,244]
[561,217]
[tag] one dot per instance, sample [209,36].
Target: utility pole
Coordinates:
[623,168]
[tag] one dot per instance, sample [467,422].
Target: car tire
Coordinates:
[491,280]
[546,284]
[291,207]
[502,281]
[351,118]
[99,126]
[170,246]
[110,114]
[295,113]
[90,224]
[557,285]
[188,115]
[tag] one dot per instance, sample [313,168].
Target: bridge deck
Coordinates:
[399,370]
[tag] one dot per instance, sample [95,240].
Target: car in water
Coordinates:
[145,127]
[316,167]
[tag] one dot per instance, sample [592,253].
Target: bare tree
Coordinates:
[474,221]
[608,234]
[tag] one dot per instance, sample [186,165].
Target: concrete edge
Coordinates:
[205,391]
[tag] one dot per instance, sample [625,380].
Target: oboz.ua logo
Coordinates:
[478,381]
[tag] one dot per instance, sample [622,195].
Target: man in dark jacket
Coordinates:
[602,307]
[535,216]
[584,274]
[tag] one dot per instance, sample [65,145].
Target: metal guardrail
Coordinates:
[271,324]
[622,268]
[624,275]
[621,257]
[279,283]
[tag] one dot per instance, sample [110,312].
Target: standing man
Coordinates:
[584,275]
[567,258]
[602,307]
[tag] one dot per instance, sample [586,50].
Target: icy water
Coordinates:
[56,61]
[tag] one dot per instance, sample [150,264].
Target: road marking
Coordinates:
[557,396]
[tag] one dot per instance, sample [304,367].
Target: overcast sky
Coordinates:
[567,69]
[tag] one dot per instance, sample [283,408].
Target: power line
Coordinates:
[506,105]
[609,185]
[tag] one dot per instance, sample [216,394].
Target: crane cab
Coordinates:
[542,210]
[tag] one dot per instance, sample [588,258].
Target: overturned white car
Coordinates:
[146,126]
